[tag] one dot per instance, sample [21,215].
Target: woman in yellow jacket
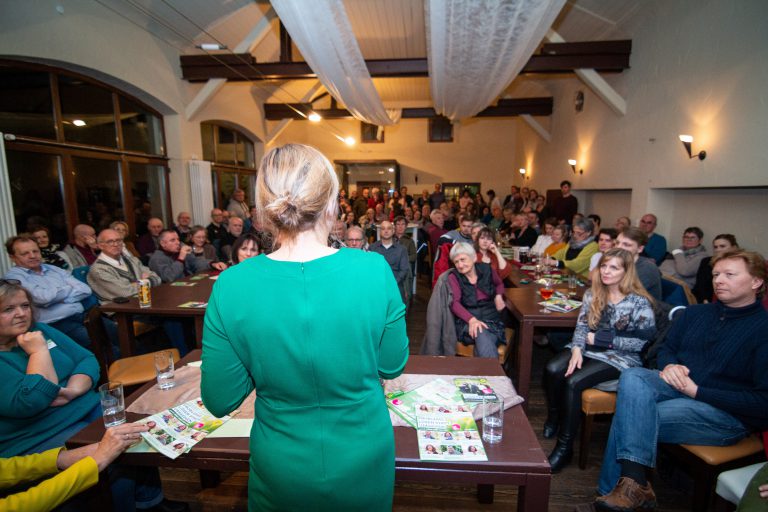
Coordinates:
[74,470]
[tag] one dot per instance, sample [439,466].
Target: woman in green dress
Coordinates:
[278,323]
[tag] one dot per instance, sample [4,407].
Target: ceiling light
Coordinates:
[78,122]
[349,141]
[314,117]
[687,140]
[211,47]
[522,171]
[381,172]
[391,169]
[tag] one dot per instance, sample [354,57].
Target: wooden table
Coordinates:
[166,299]
[517,460]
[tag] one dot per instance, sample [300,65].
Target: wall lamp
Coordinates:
[523,173]
[687,140]
[572,163]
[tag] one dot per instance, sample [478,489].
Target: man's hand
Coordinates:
[576,360]
[219,265]
[184,251]
[676,375]
[32,342]
[476,327]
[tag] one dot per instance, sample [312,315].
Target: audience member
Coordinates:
[395,254]
[703,290]
[149,242]
[656,248]
[462,234]
[684,262]
[336,236]
[534,222]
[712,388]
[201,247]
[545,239]
[234,230]
[633,240]
[55,294]
[183,227]
[82,251]
[622,223]
[355,238]
[523,235]
[576,255]
[379,214]
[615,323]
[513,201]
[507,225]
[405,239]
[49,251]
[122,228]
[237,206]
[437,197]
[606,240]
[216,229]
[559,240]
[360,205]
[246,246]
[493,201]
[565,207]
[435,229]
[596,220]
[173,260]
[488,252]
[478,297]
[407,198]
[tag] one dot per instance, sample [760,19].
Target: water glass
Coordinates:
[112,404]
[164,369]
[493,419]
[572,284]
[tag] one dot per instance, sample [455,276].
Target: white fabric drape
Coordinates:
[476,48]
[323,34]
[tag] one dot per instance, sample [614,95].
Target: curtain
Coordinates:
[476,48]
[323,34]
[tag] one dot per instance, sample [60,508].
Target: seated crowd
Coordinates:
[710,386]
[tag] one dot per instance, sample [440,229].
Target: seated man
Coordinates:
[183,226]
[216,229]
[56,294]
[712,389]
[234,230]
[656,248]
[461,234]
[149,241]
[355,238]
[633,240]
[115,274]
[336,236]
[174,260]
[82,251]
[395,254]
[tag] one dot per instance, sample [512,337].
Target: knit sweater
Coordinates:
[726,351]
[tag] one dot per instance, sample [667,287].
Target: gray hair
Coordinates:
[585,225]
[460,248]
[355,229]
[479,225]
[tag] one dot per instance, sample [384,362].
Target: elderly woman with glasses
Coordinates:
[685,260]
[478,298]
[577,253]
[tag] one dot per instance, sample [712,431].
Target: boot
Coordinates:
[550,426]
[562,454]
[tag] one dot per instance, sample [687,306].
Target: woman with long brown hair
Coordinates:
[615,323]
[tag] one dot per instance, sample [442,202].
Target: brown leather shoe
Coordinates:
[627,496]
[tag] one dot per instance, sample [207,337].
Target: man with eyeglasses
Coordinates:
[656,247]
[56,294]
[355,238]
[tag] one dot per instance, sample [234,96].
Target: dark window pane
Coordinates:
[36,192]
[148,192]
[225,151]
[209,144]
[440,130]
[97,185]
[142,130]
[244,182]
[371,133]
[87,113]
[25,103]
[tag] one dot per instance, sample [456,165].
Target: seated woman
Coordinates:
[545,238]
[46,394]
[606,240]
[704,291]
[615,323]
[685,260]
[559,240]
[71,471]
[49,251]
[198,237]
[478,297]
[128,245]
[488,252]
[246,246]
[576,254]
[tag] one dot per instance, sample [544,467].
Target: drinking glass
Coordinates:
[572,284]
[164,369]
[112,404]
[493,419]
[546,292]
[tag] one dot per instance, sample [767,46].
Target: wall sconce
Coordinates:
[523,173]
[687,140]
[572,163]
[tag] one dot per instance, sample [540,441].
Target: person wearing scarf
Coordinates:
[576,255]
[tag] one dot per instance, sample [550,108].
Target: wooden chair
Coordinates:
[463,350]
[593,402]
[130,371]
[676,291]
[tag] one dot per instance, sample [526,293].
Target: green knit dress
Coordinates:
[313,339]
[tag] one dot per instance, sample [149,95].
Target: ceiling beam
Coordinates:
[605,56]
[504,108]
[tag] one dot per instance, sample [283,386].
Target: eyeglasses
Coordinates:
[355,240]
[690,237]
[112,242]
[12,282]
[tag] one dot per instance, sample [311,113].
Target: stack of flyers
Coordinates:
[435,392]
[448,433]
[194,304]
[475,389]
[560,304]
[178,429]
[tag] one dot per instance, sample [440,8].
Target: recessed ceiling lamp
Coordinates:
[314,117]
[78,122]
[391,169]
[211,47]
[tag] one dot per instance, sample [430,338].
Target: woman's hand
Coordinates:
[65,396]
[763,491]
[590,338]
[78,384]
[219,265]
[476,327]
[499,301]
[575,362]
[32,342]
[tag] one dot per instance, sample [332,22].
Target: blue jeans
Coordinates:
[73,327]
[649,411]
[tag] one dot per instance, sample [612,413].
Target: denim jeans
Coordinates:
[73,327]
[649,411]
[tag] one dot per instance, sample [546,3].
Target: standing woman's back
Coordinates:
[284,325]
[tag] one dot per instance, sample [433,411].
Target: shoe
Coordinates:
[550,429]
[627,496]
[561,456]
[169,506]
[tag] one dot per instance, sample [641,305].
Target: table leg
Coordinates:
[534,496]
[485,493]
[524,356]
[199,331]
[125,333]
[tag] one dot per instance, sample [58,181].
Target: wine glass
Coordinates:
[546,292]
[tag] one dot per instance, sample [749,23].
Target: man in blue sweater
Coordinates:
[712,388]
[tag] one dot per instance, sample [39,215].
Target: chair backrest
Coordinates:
[676,292]
[100,344]
[81,274]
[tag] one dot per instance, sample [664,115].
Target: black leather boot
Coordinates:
[562,454]
[550,426]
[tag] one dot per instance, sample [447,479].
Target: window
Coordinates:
[440,129]
[81,151]
[371,133]
[455,190]
[234,162]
